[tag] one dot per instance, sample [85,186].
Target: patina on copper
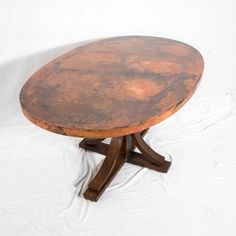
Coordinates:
[112,87]
[117,87]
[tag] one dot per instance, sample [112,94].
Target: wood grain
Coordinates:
[120,150]
[112,87]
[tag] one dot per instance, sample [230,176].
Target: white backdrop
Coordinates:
[38,169]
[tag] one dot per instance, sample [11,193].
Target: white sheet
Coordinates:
[41,173]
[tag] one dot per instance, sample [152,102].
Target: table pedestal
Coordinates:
[120,150]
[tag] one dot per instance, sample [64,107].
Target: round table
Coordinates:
[117,87]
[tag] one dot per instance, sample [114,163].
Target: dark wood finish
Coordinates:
[146,150]
[112,87]
[101,148]
[113,162]
[117,153]
[90,141]
[140,160]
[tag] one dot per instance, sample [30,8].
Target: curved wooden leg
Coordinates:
[146,150]
[149,158]
[113,162]
[144,132]
[94,145]
[117,153]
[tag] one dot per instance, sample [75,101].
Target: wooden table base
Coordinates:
[120,150]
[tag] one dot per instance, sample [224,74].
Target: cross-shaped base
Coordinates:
[120,150]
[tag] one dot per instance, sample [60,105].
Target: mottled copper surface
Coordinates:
[112,87]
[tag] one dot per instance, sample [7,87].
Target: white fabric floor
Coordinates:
[38,171]
[41,173]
